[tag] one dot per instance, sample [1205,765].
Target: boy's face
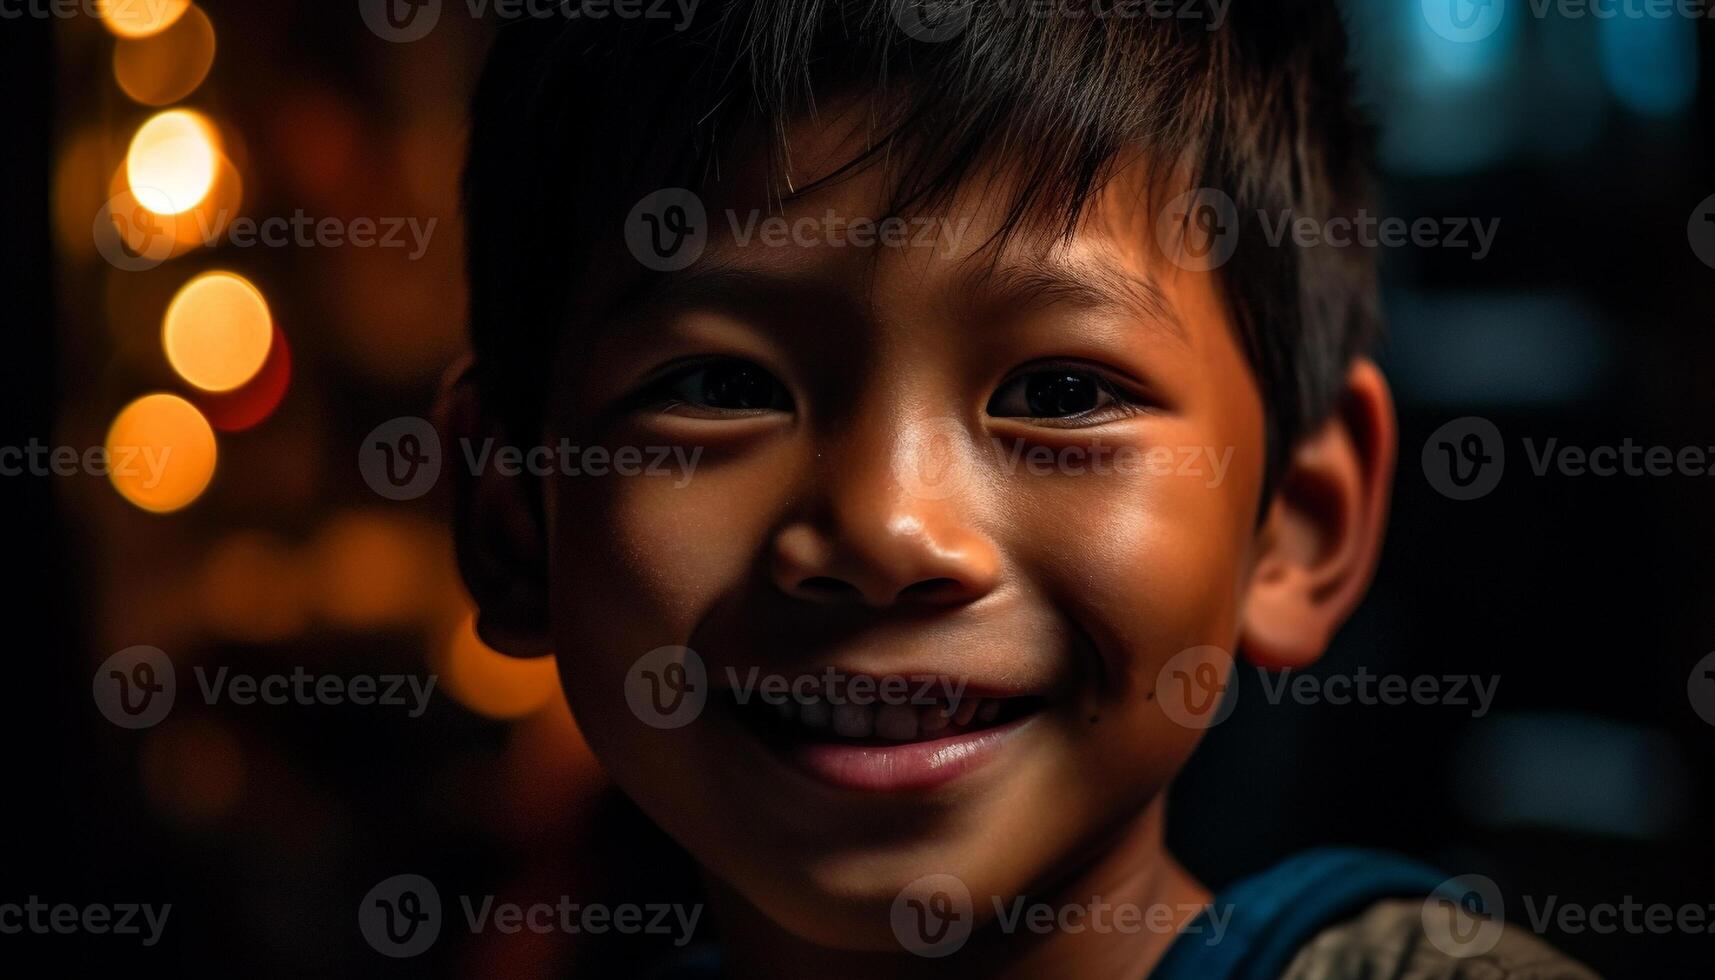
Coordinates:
[1039,485]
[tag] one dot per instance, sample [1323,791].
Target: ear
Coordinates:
[1317,548]
[498,527]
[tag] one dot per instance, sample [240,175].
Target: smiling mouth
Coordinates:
[887,747]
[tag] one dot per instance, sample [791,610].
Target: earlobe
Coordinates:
[498,528]
[1317,547]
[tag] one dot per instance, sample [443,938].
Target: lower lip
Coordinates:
[903,767]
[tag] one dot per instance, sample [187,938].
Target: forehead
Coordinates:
[790,227]
[803,222]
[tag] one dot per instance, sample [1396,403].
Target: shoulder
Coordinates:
[1392,938]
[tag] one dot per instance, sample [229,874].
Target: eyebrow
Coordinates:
[718,285]
[700,284]
[1084,284]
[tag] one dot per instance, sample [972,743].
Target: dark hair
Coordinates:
[576,119]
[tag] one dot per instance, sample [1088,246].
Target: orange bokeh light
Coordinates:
[155,238]
[249,404]
[165,67]
[251,588]
[218,331]
[161,453]
[142,18]
[173,160]
[489,682]
[374,569]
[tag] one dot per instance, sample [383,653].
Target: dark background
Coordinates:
[1589,598]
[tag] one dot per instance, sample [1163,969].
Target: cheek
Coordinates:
[1146,564]
[638,563]
[641,559]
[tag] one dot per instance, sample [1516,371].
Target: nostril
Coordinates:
[932,590]
[828,587]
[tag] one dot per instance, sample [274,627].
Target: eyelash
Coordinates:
[1122,404]
[664,394]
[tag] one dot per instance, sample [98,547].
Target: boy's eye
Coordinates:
[1062,393]
[724,386]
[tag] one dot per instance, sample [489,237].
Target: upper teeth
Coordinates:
[897,722]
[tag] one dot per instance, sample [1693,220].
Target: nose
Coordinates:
[873,532]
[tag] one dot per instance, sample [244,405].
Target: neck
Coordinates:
[1124,906]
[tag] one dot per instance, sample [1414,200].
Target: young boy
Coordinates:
[998,422]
